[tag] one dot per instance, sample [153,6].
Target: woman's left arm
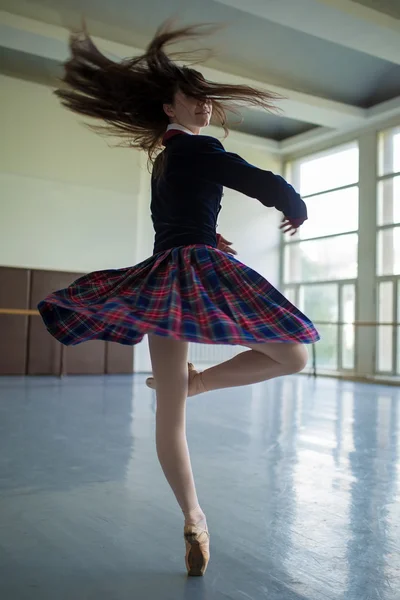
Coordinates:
[212,162]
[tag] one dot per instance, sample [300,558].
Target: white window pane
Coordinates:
[389,201]
[396,152]
[398,349]
[389,151]
[326,349]
[348,331]
[389,251]
[334,212]
[290,294]
[319,260]
[398,329]
[385,348]
[385,302]
[331,170]
[320,302]
[385,332]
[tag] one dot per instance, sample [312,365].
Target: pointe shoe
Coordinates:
[197,541]
[192,389]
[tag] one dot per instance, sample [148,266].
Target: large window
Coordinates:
[320,263]
[388,251]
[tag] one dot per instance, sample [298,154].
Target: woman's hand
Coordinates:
[224,245]
[290,225]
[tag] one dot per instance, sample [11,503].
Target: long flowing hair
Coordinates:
[128,96]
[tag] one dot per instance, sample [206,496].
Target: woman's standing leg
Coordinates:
[169,362]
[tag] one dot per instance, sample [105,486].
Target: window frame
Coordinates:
[292,171]
[394,278]
[340,323]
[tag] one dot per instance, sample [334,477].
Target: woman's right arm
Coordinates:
[214,164]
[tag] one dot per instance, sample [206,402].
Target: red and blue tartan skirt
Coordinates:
[194,293]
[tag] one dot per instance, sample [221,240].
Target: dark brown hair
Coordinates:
[129,95]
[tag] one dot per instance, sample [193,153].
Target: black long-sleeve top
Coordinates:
[186,198]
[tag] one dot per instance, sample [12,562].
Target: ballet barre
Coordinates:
[358,323]
[19,311]
[35,313]
[347,324]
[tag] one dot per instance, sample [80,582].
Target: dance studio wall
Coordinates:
[70,201]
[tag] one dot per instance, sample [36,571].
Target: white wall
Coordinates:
[63,226]
[68,201]
[71,202]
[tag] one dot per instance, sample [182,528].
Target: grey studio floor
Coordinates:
[299,479]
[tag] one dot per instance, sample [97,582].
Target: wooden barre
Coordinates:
[358,323]
[18,311]
[28,312]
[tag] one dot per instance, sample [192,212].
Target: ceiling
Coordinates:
[337,62]
[389,7]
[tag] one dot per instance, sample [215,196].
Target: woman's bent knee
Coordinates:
[291,357]
[298,359]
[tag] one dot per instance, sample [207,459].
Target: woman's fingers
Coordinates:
[225,241]
[225,245]
[227,249]
[285,223]
[288,227]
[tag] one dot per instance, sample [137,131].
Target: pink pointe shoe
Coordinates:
[197,542]
[195,383]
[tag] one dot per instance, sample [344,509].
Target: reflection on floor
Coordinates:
[299,478]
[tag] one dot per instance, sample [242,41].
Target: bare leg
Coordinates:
[264,361]
[169,362]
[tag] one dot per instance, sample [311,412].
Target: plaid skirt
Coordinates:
[194,293]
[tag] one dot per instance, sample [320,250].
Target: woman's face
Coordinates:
[189,112]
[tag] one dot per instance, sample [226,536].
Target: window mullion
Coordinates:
[340,327]
[331,190]
[328,258]
[366,301]
[394,328]
[322,237]
[389,176]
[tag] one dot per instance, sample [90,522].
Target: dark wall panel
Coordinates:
[44,352]
[119,359]
[26,347]
[85,359]
[14,293]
